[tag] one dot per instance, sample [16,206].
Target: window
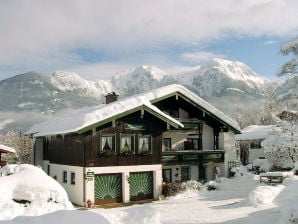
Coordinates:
[194,142]
[167,175]
[185,173]
[64,176]
[73,178]
[126,143]
[144,143]
[255,144]
[167,143]
[107,143]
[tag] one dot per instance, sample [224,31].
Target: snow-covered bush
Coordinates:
[262,165]
[178,188]
[287,201]
[28,190]
[264,194]
[281,146]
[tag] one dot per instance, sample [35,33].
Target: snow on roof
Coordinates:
[169,89]
[255,132]
[5,149]
[77,120]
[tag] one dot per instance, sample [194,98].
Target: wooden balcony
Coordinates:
[190,123]
[192,157]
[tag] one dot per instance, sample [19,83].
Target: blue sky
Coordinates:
[97,38]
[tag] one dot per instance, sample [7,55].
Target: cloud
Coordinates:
[199,57]
[46,35]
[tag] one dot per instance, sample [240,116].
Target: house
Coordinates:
[249,142]
[3,150]
[123,150]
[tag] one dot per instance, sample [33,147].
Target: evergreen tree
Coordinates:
[291,67]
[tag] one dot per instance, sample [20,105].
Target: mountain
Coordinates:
[32,97]
[228,84]
[140,79]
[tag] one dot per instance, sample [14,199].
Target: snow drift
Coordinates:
[28,190]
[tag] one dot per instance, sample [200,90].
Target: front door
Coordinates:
[185,173]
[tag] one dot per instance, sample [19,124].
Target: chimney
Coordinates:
[111,97]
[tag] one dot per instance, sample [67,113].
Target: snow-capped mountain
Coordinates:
[219,76]
[223,83]
[140,79]
[72,82]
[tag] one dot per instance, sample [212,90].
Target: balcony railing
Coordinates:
[190,123]
[192,157]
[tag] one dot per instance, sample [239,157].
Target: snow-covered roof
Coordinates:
[162,92]
[255,132]
[6,149]
[81,119]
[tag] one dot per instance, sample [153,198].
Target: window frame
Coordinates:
[165,148]
[131,138]
[140,143]
[73,178]
[64,176]
[113,142]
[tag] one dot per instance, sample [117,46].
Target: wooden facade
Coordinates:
[84,149]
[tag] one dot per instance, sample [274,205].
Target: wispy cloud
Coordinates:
[45,35]
[199,57]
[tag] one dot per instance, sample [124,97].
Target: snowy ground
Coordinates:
[239,200]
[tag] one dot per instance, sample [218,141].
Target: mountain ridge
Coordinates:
[49,94]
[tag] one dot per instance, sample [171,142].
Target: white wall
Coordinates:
[208,137]
[75,192]
[177,139]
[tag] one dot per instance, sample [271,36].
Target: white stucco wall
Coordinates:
[208,137]
[75,192]
[177,139]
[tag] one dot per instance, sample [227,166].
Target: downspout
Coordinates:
[84,174]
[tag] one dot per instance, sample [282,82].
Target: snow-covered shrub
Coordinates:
[262,165]
[287,200]
[28,190]
[281,146]
[264,194]
[178,188]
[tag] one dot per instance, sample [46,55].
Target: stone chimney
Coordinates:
[111,97]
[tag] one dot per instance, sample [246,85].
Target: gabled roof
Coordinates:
[85,118]
[254,132]
[169,90]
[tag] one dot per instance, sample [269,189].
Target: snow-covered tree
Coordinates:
[291,67]
[281,146]
[22,144]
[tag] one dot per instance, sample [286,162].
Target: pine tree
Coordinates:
[291,67]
